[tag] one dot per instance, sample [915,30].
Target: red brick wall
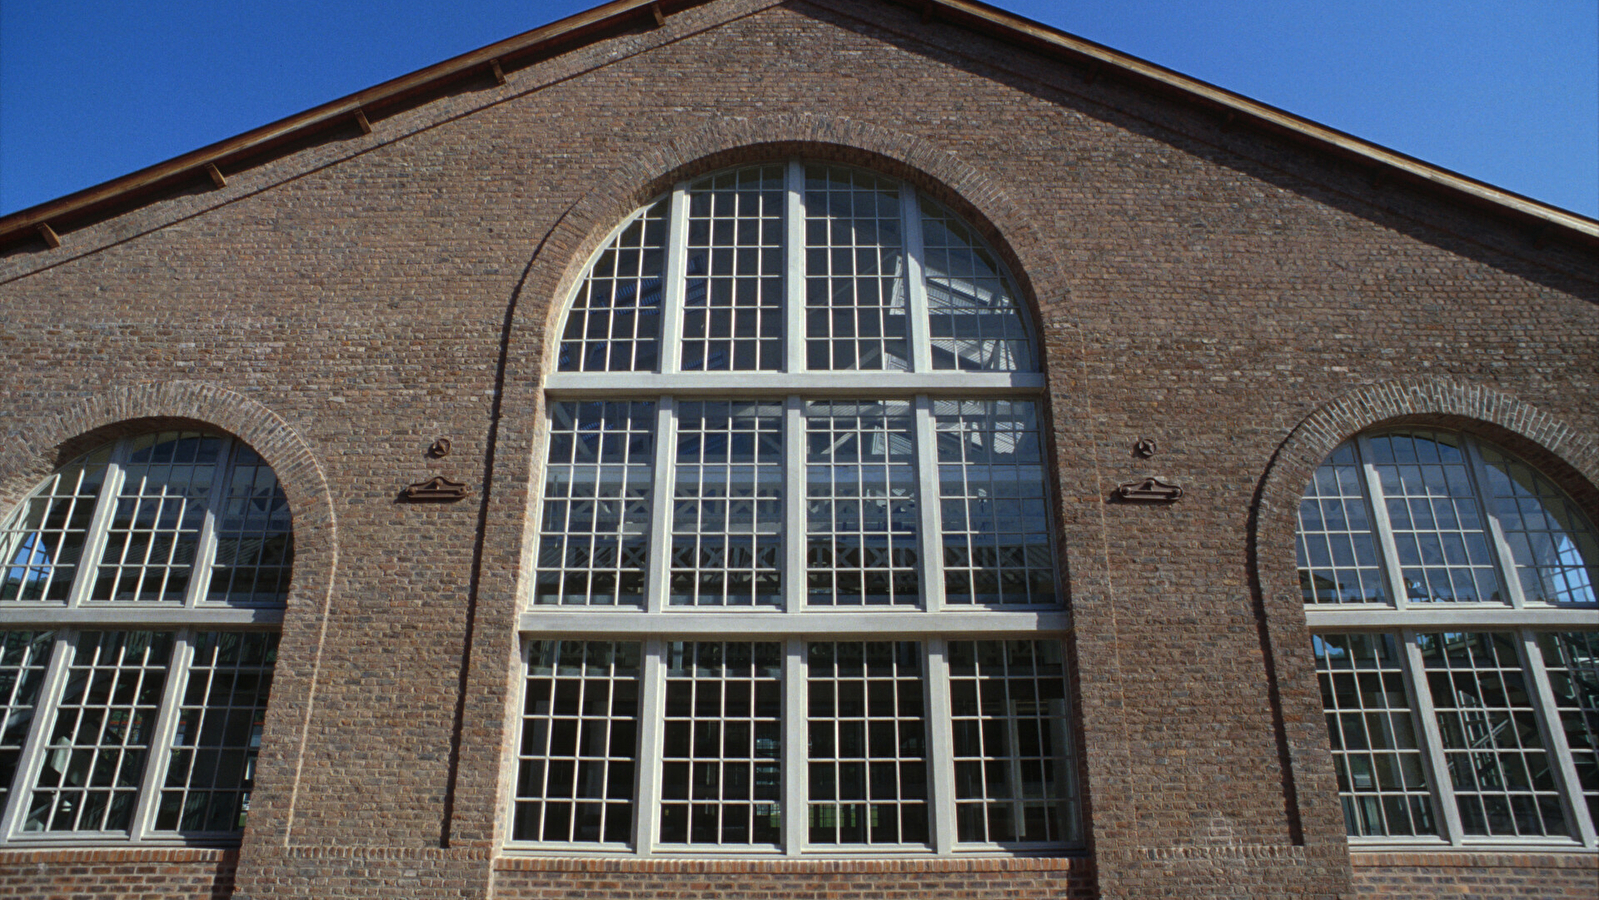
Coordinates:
[174,874]
[1427,876]
[1013,879]
[1212,287]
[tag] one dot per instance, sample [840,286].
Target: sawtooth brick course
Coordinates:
[1243,301]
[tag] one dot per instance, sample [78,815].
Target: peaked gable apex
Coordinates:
[208,167]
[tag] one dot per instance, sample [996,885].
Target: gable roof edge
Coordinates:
[120,194]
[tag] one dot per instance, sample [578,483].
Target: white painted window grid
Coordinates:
[120,568]
[794,747]
[732,318]
[1506,760]
[722,744]
[614,322]
[594,521]
[576,752]
[829,262]
[1015,772]
[727,504]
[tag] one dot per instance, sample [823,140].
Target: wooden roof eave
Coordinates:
[60,214]
[1244,112]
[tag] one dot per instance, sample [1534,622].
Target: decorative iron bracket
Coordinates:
[436,488]
[1149,490]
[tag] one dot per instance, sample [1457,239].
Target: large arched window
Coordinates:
[143,585]
[795,588]
[1450,588]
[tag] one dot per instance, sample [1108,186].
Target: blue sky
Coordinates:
[1506,91]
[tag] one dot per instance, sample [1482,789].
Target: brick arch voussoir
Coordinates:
[1440,400]
[42,444]
[1034,262]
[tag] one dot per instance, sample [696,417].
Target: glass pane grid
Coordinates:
[1009,725]
[211,762]
[993,504]
[154,535]
[856,315]
[254,536]
[1382,781]
[721,775]
[24,658]
[576,761]
[614,324]
[1440,536]
[93,764]
[594,531]
[1502,775]
[41,545]
[975,321]
[861,503]
[1572,662]
[867,744]
[1554,546]
[727,504]
[734,290]
[1336,546]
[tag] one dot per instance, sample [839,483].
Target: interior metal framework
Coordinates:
[795,587]
[1450,589]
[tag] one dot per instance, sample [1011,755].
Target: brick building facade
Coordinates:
[1253,296]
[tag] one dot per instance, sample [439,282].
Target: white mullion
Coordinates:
[940,748]
[1504,560]
[930,570]
[796,755]
[99,527]
[794,273]
[675,273]
[652,713]
[1443,791]
[794,505]
[23,781]
[659,563]
[1554,739]
[153,775]
[920,324]
[511,770]
[1385,531]
[206,550]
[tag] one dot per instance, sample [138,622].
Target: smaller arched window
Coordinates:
[1450,590]
[143,585]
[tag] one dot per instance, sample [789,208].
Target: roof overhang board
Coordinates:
[489,63]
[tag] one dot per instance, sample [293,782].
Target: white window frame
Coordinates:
[77,615]
[1406,619]
[930,622]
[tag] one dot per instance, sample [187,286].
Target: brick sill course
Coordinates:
[742,866]
[1454,859]
[13,856]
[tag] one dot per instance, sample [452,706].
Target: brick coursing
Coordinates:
[1424,876]
[546,879]
[167,874]
[1245,302]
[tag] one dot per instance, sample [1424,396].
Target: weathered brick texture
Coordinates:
[1244,300]
[547,879]
[1424,876]
[171,874]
